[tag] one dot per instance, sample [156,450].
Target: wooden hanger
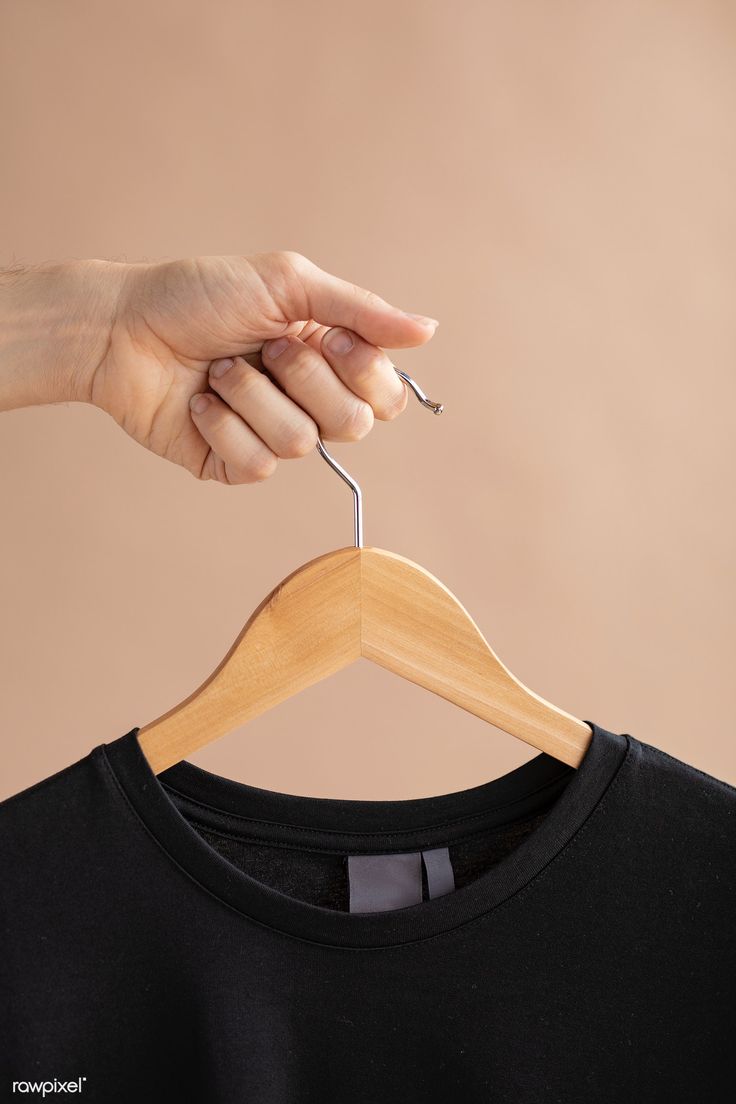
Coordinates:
[356,602]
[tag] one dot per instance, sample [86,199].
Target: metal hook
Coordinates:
[435,407]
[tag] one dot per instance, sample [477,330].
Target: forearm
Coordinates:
[55,325]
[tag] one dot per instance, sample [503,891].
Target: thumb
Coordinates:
[307,291]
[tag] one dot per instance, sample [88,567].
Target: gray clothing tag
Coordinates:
[380,882]
[440,875]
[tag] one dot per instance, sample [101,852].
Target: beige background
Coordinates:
[555,183]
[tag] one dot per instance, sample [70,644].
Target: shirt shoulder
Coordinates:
[683,775]
[680,799]
[52,816]
[39,794]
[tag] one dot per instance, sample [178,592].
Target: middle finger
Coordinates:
[362,367]
[309,380]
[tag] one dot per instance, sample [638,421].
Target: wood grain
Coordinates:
[349,603]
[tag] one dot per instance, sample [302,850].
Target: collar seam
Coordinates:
[239,817]
[294,845]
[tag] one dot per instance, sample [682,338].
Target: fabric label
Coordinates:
[381,882]
[440,875]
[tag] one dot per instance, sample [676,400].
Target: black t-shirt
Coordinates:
[553,935]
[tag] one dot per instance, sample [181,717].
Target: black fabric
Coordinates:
[187,938]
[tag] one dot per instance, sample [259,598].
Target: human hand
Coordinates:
[175,353]
[182,372]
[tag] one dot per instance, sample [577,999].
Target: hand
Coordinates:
[189,356]
[183,372]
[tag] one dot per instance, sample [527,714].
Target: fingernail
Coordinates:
[275,348]
[199,403]
[339,341]
[425,321]
[218,368]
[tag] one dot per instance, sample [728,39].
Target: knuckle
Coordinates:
[263,466]
[364,374]
[290,258]
[302,366]
[256,469]
[371,301]
[366,304]
[297,441]
[396,406]
[356,422]
[240,381]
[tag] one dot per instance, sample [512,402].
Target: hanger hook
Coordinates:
[435,407]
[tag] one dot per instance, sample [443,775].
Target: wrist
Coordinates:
[55,326]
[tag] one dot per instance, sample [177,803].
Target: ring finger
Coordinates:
[246,459]
[282,425]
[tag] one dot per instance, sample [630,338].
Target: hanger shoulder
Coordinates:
[414,626]
[349,603]
[307,628]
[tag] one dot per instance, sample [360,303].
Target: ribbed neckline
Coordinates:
[164,801]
